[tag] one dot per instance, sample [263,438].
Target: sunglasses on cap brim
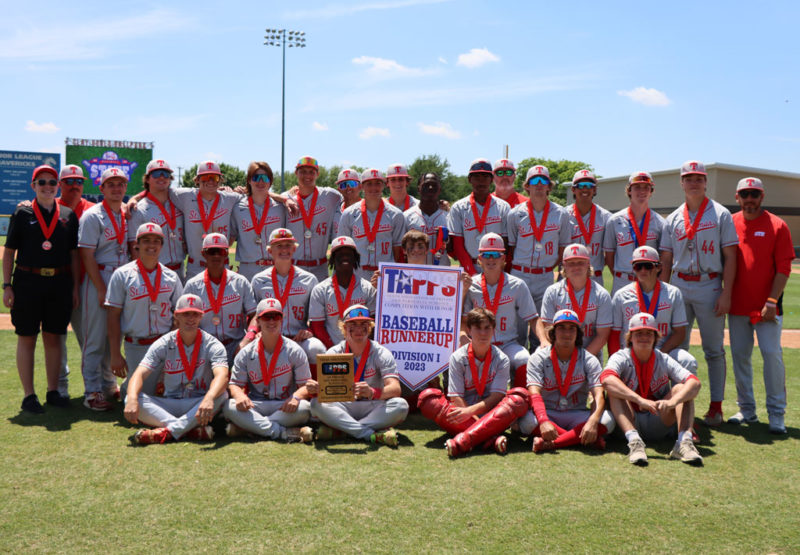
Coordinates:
[357,313]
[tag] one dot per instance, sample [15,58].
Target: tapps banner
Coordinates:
[96,155]
[418,318]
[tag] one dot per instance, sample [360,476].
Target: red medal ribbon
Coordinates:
[653,308]
[342,305]
[189,367]
[207,221]
[439,241]
[169,218]
[644,374]
[691,228]
[563,386]
[538,230]
[587,292]
[215,302]
[406,203]
[308,217]
[266,372]
[48,230]
[480,221]
[587,234]
[119,230]
[282,297]
[362,361]
[639,233]
[492,305]
[371,233]
[257,226]
[152,288]
[477,380]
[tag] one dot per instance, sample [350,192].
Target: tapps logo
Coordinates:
[110,159]
[400,282]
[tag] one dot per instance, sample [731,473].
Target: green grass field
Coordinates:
[73,482]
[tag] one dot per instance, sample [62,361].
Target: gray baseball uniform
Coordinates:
[620,238]
[360,419]
[314,239]
[461,221]
[323,306]
[596,235]
[97,232]
[417,219]
[389,233]
[459,375]
[171,221]
[251,247]
[598,311]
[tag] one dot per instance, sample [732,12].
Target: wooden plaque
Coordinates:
[336,378]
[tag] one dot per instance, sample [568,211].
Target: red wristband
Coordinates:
[376,393]
[250,335]
[537,405]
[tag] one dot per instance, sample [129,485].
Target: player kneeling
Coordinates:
[560,378]
[637,380]
[377,405]
[270,368]
[478,410]
[194,370]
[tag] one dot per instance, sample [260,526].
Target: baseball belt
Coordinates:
[697,277]
[308,263]
[630,277]
[526,270]
[44,272]
[141,340]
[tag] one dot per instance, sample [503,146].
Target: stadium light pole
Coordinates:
[292,39]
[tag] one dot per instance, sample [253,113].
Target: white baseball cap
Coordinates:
[640,177]
[281,235]
[480,165]
[566,316]
[504,164]
[209,167]
[643,321]
[342,241]
[584,175]
[189,303]
[215,241]
[71,171]
[373,173]
[149,228]
[576,250]
[356,313]
[491,242]
[645,254]
[269,306]
[113,172]
[158,165]
[536,171]
[397,170]
[348,174]
[750,183]
[693,166]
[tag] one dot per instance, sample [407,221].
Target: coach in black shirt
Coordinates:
[44,237]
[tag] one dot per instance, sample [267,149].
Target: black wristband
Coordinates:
[6,285]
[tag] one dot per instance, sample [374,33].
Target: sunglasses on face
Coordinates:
[749,193]
[216,252]
[584,185]
[270,316]
[357,313]
[260,178]
[643,266]
[349,184]
[209,179]
[538,180]
[158,174]
[504,173]
[73,181]
[491,254]
[43,182]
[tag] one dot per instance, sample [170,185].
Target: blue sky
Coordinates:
[623,86]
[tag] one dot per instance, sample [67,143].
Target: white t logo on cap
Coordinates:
[694,165]
[210,165]
[574,250]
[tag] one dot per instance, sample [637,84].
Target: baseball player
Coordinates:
[377,405]
[560,378]
[316,218]
[584,296]
[764,256]
[635,226]
[252,223]
[140,298]
[103,247]
[375,225]
[292,286]
[637,381]
[42,243]
[588,220]
[156,207]
[428,217]
[274,372]
[699,251]
[477,409]
[662,300]
[505,296]
[330,297]
[349,183]
[193,367]
[504,174]
[71,181]
[472,217]
[397,179]
[227,296]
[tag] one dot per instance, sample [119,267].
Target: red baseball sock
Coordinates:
[715,406]
[521,376]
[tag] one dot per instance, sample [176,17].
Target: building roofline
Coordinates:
[720,166]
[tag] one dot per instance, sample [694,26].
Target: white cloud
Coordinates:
[317,126]
[382,67]
[439,128]
[370,132]
[338,10]
[33,127]
[648,97]
[442,60]
[476,57]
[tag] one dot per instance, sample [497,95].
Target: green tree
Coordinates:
[454,186]
[561,172]
[234,177]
